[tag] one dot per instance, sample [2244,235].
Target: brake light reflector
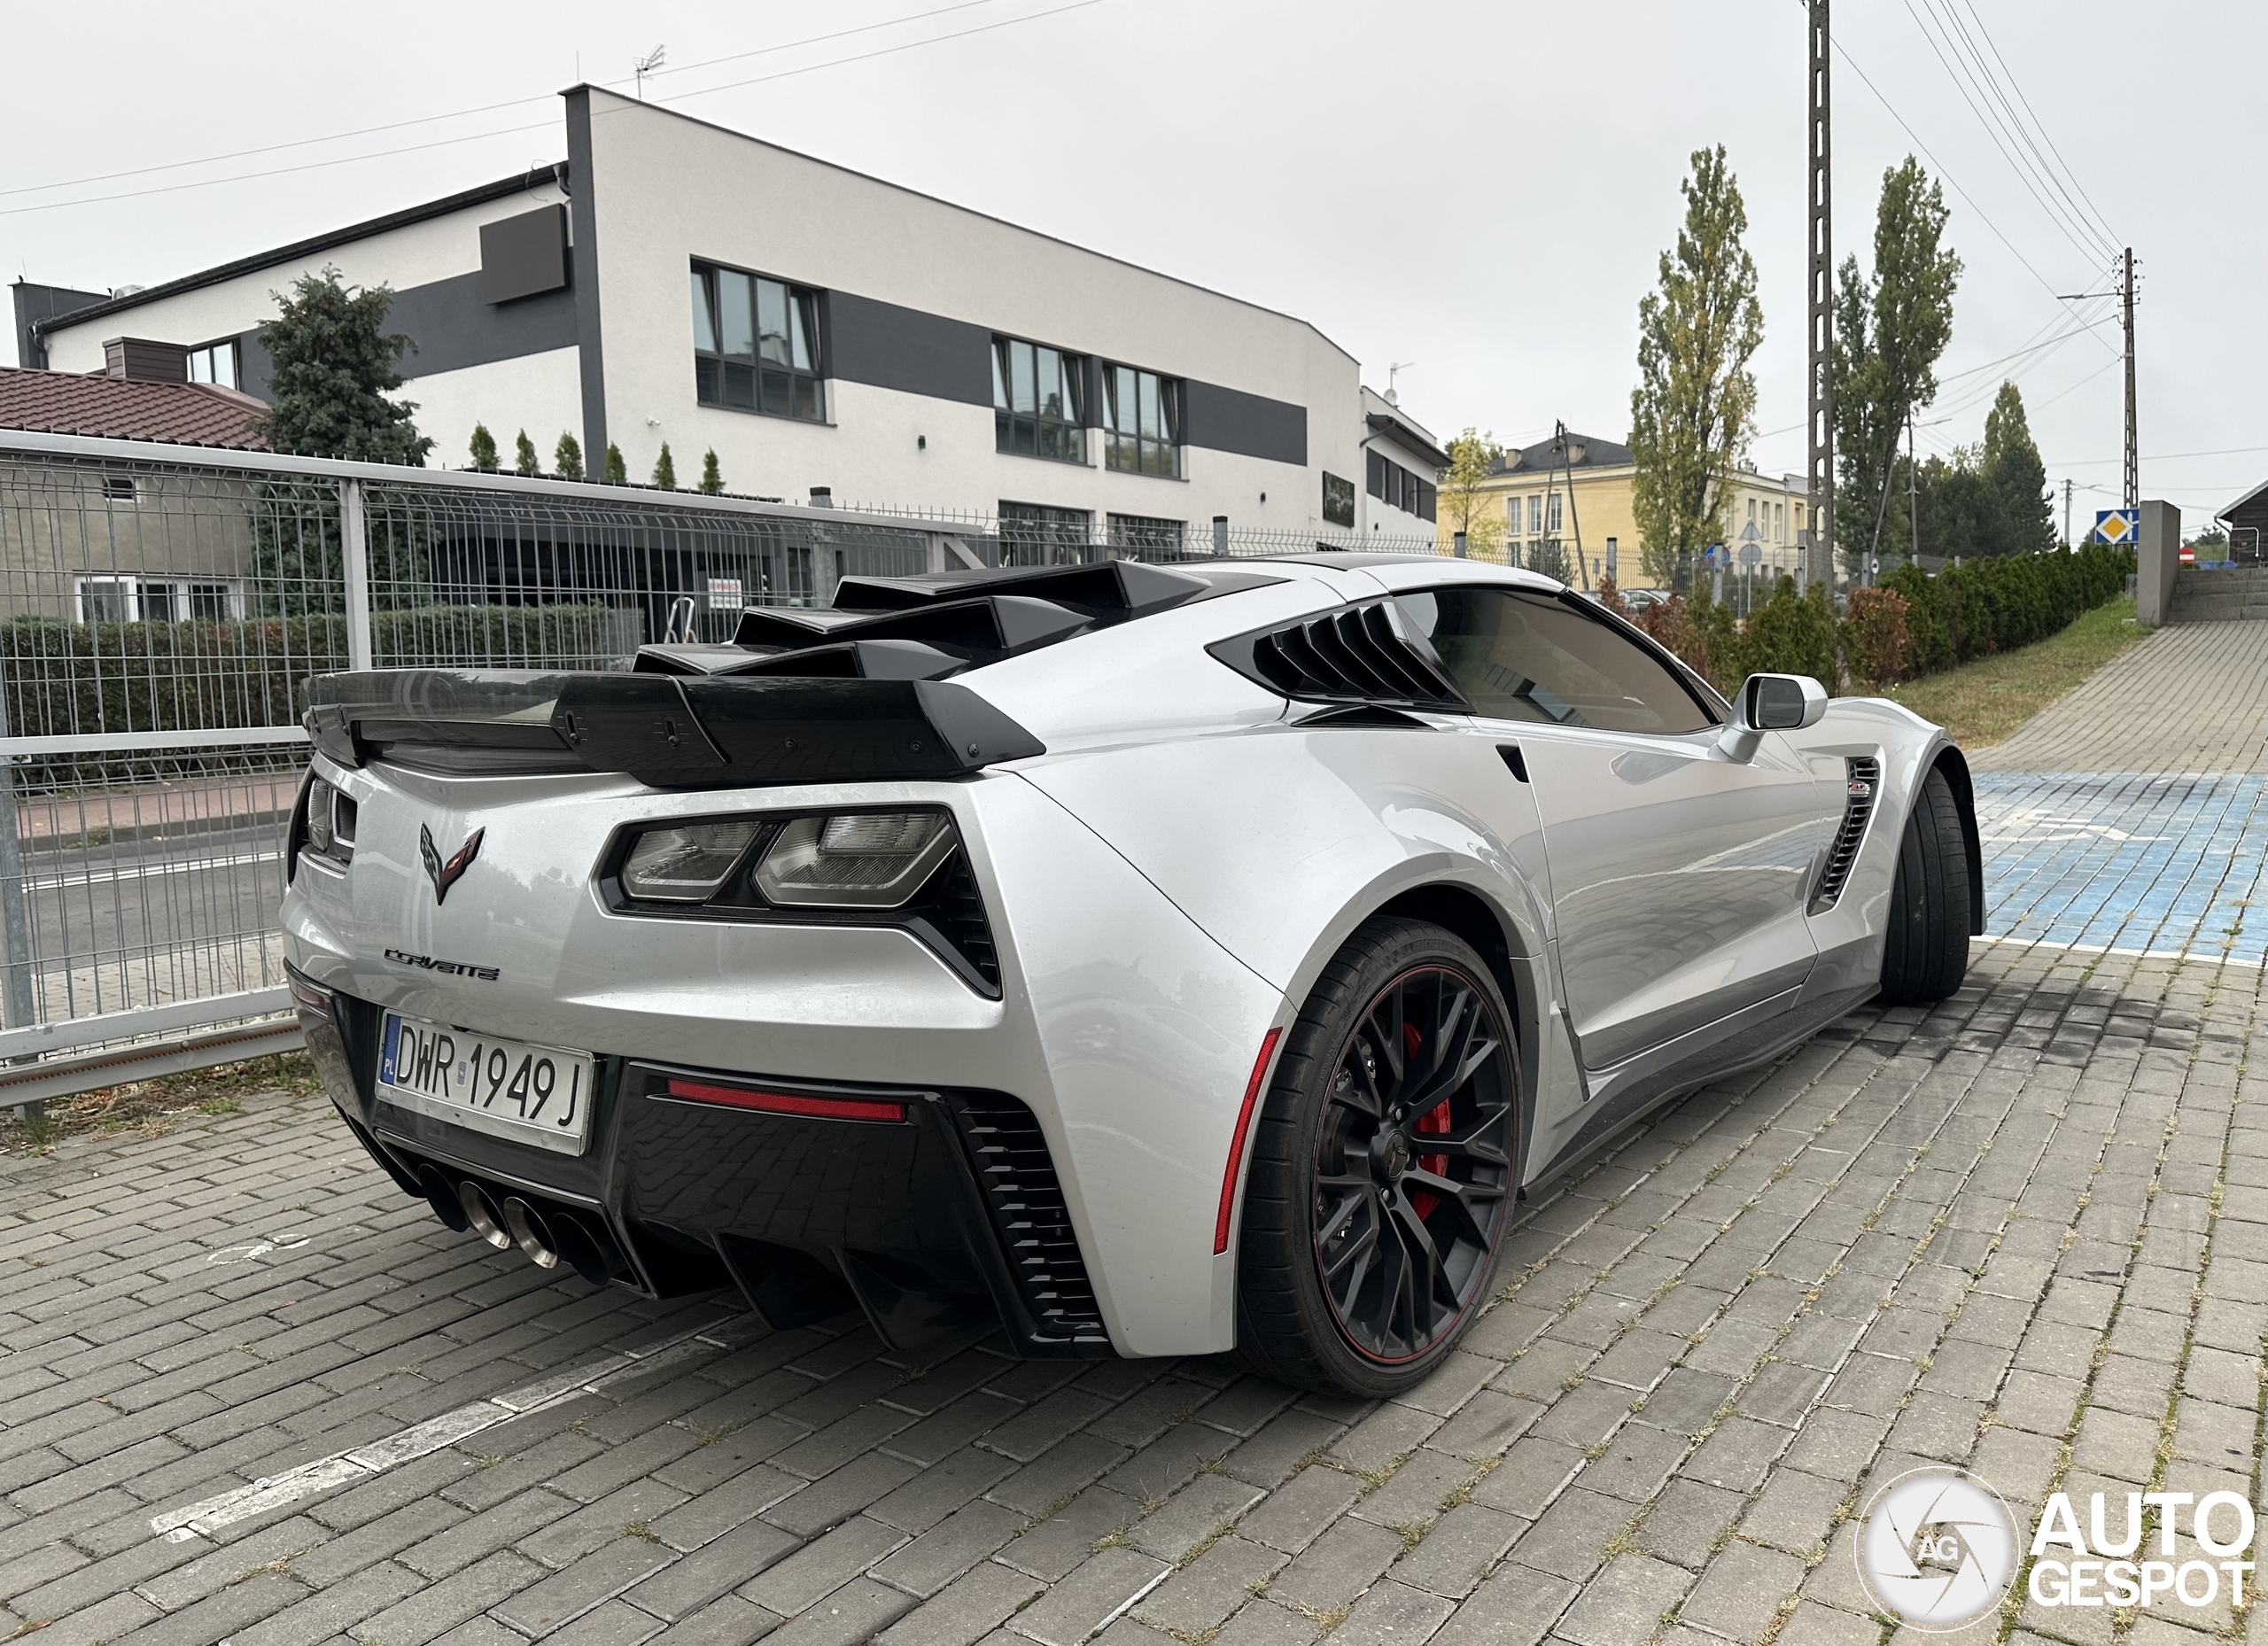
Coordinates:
[1237,1138]
[788,1102]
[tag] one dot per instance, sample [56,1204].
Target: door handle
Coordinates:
[1514,759]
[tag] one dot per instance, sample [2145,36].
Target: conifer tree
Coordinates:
[483,449]
[617,472]
[666,469]
[332,365]
[713,480]
[524,455]
[567,457]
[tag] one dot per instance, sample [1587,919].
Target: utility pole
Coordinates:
[2133,450]
[1819,475]
[2068,544]
[1913,498]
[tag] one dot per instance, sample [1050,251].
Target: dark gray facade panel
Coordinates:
[451,325]
[582,209]
[1250,425]
[889,347]
[37,303]
[524,255]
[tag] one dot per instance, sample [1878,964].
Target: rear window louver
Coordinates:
[1025,1197]
[1355,654]
[1862,778]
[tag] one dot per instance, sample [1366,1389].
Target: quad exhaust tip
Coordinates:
[531,1233]
[481,1213]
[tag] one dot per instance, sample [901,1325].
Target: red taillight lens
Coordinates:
[787,1102]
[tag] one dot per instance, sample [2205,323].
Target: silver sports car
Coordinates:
[1135,959]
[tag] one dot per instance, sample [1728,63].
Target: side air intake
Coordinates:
[1026,1199]
[1355,654]
[1862,778]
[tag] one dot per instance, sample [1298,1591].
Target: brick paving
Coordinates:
[2192,697]
[2025,1231]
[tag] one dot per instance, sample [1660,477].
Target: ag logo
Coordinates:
[1936,1547]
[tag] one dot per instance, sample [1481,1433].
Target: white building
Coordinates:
[822,331]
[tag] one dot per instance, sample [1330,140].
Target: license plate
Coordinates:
[539,1095]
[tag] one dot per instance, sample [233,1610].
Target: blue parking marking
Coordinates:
[2167,864]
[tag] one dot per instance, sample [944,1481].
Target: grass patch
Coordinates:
[1981,703]
[145,1104]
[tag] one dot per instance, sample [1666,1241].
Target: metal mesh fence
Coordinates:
[162,609]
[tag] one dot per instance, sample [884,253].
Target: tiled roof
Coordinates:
[1594,454]
[116,409]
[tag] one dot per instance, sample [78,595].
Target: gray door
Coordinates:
[1679,877]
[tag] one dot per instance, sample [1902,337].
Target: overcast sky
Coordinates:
[1479,188]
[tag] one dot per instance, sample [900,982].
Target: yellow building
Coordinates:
[1546,496]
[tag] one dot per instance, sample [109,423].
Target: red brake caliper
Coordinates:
[1435,1120]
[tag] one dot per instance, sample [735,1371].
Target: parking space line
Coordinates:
[362,1463]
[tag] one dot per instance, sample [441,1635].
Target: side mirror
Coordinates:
[1771,702]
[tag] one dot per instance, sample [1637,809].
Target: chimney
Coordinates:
[139,360]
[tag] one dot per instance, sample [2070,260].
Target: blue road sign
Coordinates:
[2118,525]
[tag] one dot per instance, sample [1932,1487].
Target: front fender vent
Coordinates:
[1026,1199]
[1358,653]
[1861,779]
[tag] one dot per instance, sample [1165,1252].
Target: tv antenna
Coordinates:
[647,65]
[1394,369]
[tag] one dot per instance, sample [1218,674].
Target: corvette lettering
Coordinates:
[452,969]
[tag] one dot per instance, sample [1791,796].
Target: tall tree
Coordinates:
[666,469]
[483,449]
[567,457]
[331,364]
[1889,332]
[1693,409]
[2019,478]
[712,479]
[524,460]
[1464,503]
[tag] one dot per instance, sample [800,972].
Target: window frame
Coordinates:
[1055,524]
[210,352]
[1070,430]
[137,589]
[1145,534]
[803,396]
[1715,709]
[1171,408]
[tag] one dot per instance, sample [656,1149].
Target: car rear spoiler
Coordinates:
[666,731]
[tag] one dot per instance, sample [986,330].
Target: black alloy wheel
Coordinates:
[1382,1167]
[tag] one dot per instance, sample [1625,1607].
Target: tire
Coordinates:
[1926,952]
[1408,1190]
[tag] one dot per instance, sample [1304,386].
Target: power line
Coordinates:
[464,113]
[1963,79]
[1982,77]
[1983,216]
[506,131]
[2111,235]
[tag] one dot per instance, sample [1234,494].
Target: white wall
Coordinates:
[542,393]
[669,190]
[412,255]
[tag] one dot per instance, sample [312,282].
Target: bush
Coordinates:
[201,675]
[1873,636]
[1914,624]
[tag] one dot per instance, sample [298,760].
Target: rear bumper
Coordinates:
[949,1218]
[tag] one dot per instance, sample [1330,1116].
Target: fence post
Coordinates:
[354,542]
[16,1009]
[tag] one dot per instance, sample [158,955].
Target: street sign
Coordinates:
[2118,525]
[1714,556]
[1750,554]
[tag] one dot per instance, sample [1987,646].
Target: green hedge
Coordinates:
[67,678]
[1958,615]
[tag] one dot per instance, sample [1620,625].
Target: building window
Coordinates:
[104,599]
[1338,500]
[1397,488]
[755,345]
[214,362]
[1141,422]
[1034,534]
[1552,525]
[1145,536]
[1038,399]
